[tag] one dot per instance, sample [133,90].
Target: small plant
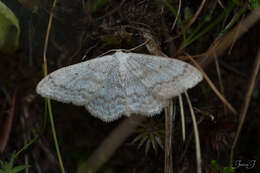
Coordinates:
[216,168]
[7,167]
[150,133]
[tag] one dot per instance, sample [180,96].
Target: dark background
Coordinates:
[89,30]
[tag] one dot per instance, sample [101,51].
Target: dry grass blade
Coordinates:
[196,15]
[246,104]
[220,80]
[168,138]
[196,134]
[176,18]
[230,107]
[220,45]
[182,117]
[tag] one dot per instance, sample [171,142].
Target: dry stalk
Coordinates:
[213,86]
[196,134]
[168,138]
[196,14]
[182,117]
[246,104]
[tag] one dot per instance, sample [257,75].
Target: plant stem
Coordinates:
[55,137]
[168,138]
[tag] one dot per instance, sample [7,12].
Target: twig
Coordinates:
[168,138]
[213,86]
[246,104]
[232,69]
[196,15]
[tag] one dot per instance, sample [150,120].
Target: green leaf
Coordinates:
[214,165]
[20,168]
[9,30]
[228,170]
[6,166]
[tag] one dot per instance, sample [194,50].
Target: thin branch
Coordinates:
[213,86]
[182,117]
[246,104]
[168,138]
[196,15]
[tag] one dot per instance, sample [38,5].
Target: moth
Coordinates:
[120,84]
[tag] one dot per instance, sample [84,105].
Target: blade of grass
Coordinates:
[196,30]
[175,13]
[55,136]
[234,20]
[178,13]
[182,117]
[48,100]
[26,146]
[218,47]
[196,134]
[195,36]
